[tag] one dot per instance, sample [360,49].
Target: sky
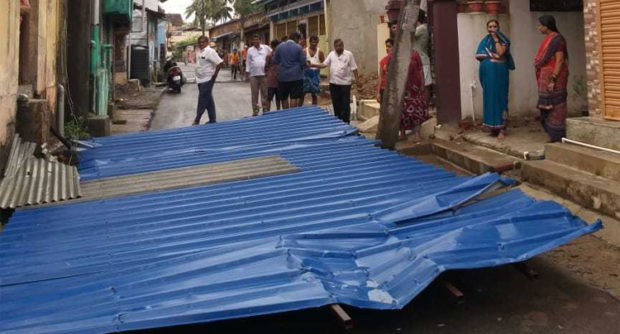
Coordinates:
[176,7]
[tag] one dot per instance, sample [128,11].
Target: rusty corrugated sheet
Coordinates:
[214,173]
[31,181]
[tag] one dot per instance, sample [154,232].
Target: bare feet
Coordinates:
[501,135]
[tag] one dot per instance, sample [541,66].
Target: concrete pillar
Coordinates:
[78,55]
[33,121]
[447,68]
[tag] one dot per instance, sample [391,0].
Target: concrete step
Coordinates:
[594,131]
[473,158]
[476,159]
[597,162]
[585,189]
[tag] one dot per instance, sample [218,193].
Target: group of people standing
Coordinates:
[550,65]
[284,71]
[287,72]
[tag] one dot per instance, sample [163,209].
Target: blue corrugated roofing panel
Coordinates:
[358,225]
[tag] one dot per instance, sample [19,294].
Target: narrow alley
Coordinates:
[232,100]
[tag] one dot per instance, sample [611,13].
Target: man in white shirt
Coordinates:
[257,59]
[342,67]
[209,65]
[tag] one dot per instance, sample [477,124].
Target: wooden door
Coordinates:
[609,50]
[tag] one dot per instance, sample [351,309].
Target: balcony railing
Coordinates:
[119,9]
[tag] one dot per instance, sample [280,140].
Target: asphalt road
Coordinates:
[232,101]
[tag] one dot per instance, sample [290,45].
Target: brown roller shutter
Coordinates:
[609,44]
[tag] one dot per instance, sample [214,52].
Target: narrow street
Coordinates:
[232,101]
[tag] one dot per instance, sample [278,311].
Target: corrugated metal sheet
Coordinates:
[31,181]
[244,169]
[210,143]
[358,225]
[20,151]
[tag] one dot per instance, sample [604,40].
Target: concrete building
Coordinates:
[227,35]
[147,53]
[308,17]
[9,62]
[30,35]
[602,127]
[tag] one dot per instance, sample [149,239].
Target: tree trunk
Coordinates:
[242,33]
[398,70]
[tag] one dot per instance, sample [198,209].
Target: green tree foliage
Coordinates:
[208,12]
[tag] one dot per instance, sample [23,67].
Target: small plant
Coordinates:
[580,87]
[76,130]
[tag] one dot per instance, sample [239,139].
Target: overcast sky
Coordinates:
[176,6]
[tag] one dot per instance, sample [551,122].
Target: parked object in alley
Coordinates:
[30,181]
[356,225]
[175,78]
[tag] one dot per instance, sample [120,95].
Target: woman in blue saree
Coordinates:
[495,63]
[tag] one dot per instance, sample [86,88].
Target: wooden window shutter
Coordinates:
[609,50]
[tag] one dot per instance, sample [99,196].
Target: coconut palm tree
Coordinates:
[208,12]
[198,8]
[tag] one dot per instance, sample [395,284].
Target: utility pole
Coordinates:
[391,106]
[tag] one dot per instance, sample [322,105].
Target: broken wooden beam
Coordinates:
[342,315]
[455,292]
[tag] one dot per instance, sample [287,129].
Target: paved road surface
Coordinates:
[232,101]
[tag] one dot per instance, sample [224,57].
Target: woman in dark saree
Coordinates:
[551,65]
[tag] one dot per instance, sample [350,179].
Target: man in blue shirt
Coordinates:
[291,60]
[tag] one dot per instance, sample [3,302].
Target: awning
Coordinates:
[228,34]
[295,9]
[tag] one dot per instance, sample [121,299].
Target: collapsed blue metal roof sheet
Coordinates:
[358,225]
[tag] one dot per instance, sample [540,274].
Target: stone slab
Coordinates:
[368,109]
[370,125]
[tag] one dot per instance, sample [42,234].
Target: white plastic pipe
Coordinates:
[566,140]
[60,113]
[473,87]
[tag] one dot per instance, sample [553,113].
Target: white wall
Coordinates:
[356,25]
[521,26]
[472,28]
[525,42]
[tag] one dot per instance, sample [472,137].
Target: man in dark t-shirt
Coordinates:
[291,60]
